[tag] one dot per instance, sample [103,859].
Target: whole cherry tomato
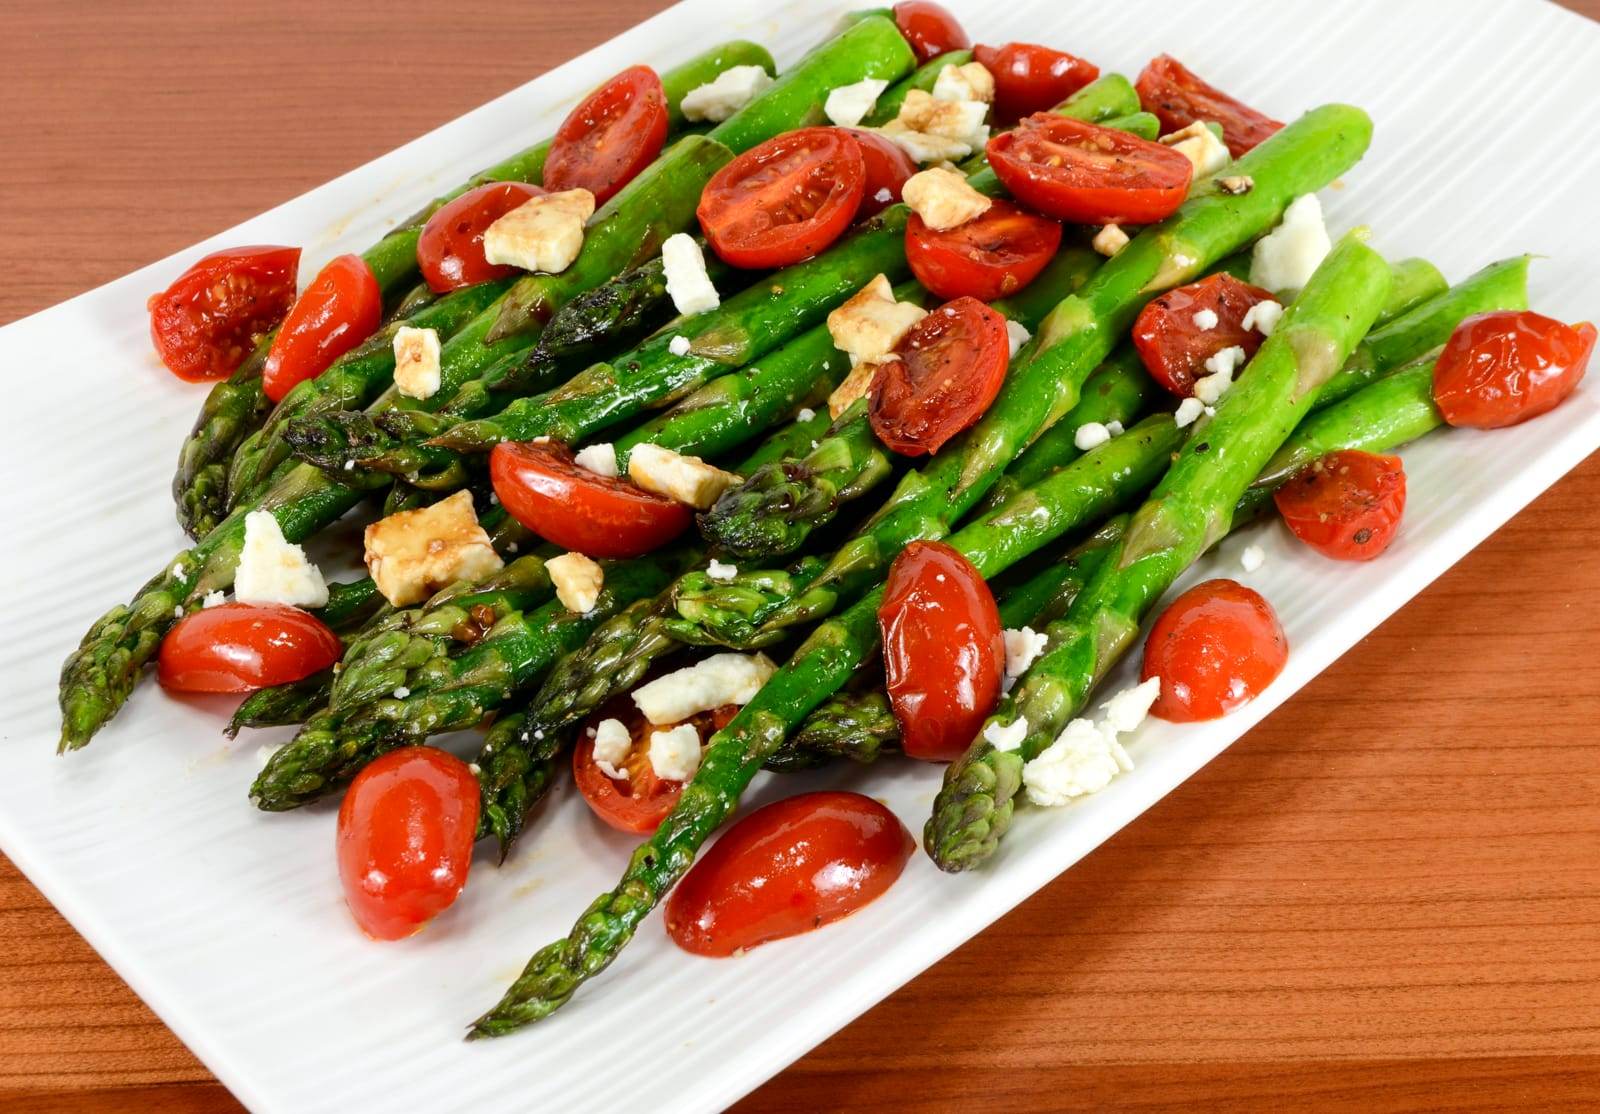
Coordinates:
[1172,343]
[1076,171]
[406,829]
[1031,78]
[1179,97]
[450,250]
[638,803]
[930,29]
[943,650]
[616,132]
[991,256]
[208,320]
[1498,369]
[887,169]
[786,869]
[238,647]
[1215,648]
[945,372]
[341,308]
[1347,505]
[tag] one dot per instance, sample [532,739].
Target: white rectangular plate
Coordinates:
[229,922]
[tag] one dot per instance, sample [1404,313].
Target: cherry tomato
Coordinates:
[887,168]
[208,320]
[784,200]
[544,489]
[406,829]
[603,143]
[1174,349]
[1178,97]
[787,868]
[639,802]
[340,309]
[450,250]
[1217,647]
[944,374]
[238,647]
[989,257]
[1347,505]
[1031,78]
[1498,369]
[943,650]
[1081,172]
[930,29]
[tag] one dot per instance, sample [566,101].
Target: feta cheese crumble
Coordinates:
[1201,147]
[1091,435]
[1109,240]
[711,683]
[1252,558]
[1284,258]
[719,99]
[1023,647]
[688,479]
[943,199]
[1017,335]
[213,599]
[970,81]
[544,233]
[856,385]
[1221,366]
[1206,320]
[612,745]
[848,105]
[601,459]
[1125,711]
[678,346]
[416,362]
[272,570]
[675,754]
[683,265]
[413,554]
[716,570]
[1263,317]
[578,580]
[869,325]
[805,414]
[1086,755]
[1188,412]
[1008,736]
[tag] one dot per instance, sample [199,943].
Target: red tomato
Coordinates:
[1179,97]
[990,257]
[943,650]
[1031,78]
[450,250]
[406,829]
[1081,172]
[787,868]
[541,487]
[1174,349]
[1347,505]
[1218,646]
[206,322]
[603,143]
[638,803]
[887,168]
[237,647]
[930,29]
[945,373]
[1498,369]
[784,200]
[340,309]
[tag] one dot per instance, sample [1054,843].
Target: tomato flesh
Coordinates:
[341,308]
[208,320]
[240,647]
[1217,647]
[992,256]
[943,650]
[1178,97]
[638,803]
[1031,78]
[607,140]
[887,169]
[786,869]
[930,29]
[450,249]
[405,835]
[1174,348]
[945,372]
[1347,505]
[1499,369]
[1076,171]
[784,200]
[543,488]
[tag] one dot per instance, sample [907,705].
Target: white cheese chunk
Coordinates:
[578,580]
[688,479]
[1188,412]
[684,266]
[1082,760]
[716,570]
[732,89]
[544,233]
[1201,147]
[1263,317]
[416,362]
[679,346]
[413,554]
[1023,646]
[856,385]
[272,570]
[805,414]
[958,120]
[1221,365]
[1114,428]
[1091,435]
[871,323]
[601,459]
[1206,320]
[1252,558]
[712,683]
[612,745]
[1284,258]
[1016,336]
[213,599]
[967,82]
[943,199]
[675,754]
[1125,711]
[1109,240]
[1006,737]
[921,147]
[848,105]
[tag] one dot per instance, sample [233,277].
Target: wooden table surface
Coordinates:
[1386,896]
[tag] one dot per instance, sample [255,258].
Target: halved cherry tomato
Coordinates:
[639,802]
[943,650]
[238,647]
[787,868]
[1498,369]
[887,168]
[208,320]
[944,374]
[784,200]
[1178,97]
[1215,648]
[341,308]
[603,143]
[930,29]
[406,829]
[544,489]
[450,250]
[1081,172]
[989,257]
[1347,505]
[1174,348]
[1031,78]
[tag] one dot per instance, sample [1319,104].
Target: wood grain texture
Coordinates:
[1385,897]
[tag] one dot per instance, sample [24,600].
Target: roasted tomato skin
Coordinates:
[943,650]
[338,310]
[208,320]
[1031,78]
[785,869]
[1346,506]
[607,140]
[887,169]
[944,374]
[638,804]
[1499,369]
[240,647]
[1081,172]
[1178,97]
[1174,349]
[992,256]
[1215,648]
[450,249]
[930,29]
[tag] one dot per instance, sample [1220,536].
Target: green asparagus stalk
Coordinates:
[923,77]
